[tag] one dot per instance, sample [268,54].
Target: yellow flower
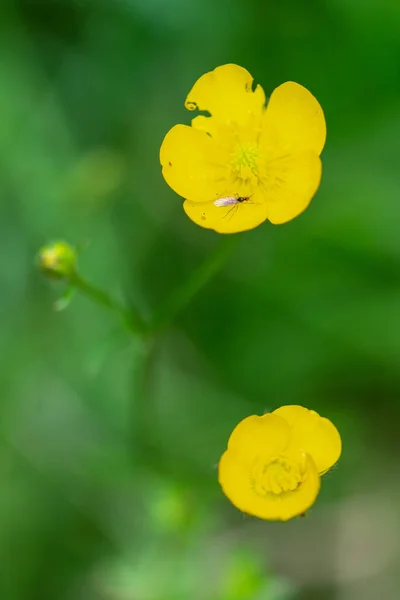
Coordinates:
[272,466]
[265,157]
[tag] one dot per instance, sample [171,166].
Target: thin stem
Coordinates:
[141,416]
[182,296]
[131,316]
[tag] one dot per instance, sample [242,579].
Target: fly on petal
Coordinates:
[226,201]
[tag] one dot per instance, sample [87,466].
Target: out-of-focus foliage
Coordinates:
[306,313]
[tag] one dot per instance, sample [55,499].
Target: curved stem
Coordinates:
[142,442]
[182,296]
[141,416]
[131,316]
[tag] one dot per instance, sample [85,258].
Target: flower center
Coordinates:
[244,162]
[277,476]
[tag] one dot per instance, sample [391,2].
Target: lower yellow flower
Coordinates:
[272,466]
[261,160]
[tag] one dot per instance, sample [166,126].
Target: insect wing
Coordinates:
[226,201]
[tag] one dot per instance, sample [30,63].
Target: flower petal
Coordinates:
[227,94]
[268,435]
[192,164]
[293,121]
[313,434]
[289,184]
[222,133]
[229,219]
[235,479]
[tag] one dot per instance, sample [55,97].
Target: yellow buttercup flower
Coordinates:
[272,466]
[247,162]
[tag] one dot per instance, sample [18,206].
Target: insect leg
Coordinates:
[232,211]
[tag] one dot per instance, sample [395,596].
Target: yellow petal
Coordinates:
[289,184]
[227,94]
[227,219]
[293,121]
[268,435]
[224,134]
[313,434]
[192,164]
[236,482]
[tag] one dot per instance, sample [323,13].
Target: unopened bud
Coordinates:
[57,260]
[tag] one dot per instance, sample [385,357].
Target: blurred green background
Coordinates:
[306,313]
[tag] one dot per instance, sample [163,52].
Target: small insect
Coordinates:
[233,201]
[230,200]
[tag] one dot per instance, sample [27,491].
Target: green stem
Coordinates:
[141,416]
[145,446]
[182,296]
[131,316]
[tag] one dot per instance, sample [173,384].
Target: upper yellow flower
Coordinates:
[267,157]
[273,463]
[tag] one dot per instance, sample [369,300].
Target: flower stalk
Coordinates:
[183,295]
[130,316]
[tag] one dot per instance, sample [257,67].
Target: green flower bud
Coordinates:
[57,260]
